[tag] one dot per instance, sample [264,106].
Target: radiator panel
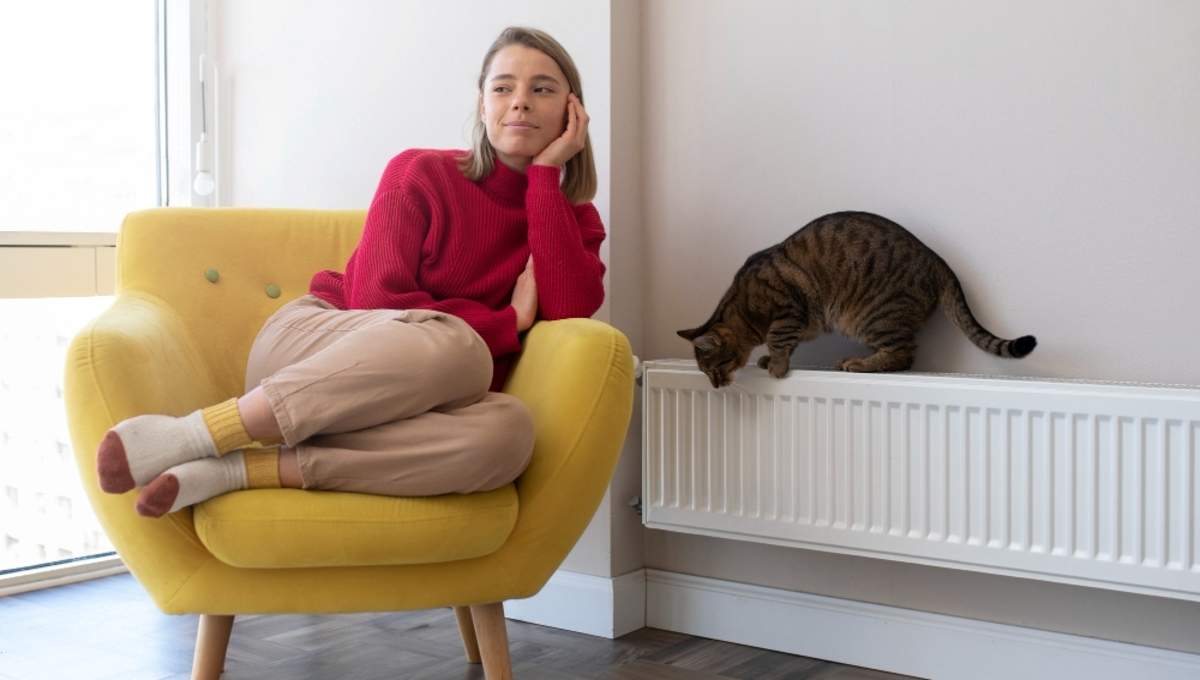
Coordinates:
[1087,483]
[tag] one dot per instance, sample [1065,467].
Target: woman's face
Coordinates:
[524,104]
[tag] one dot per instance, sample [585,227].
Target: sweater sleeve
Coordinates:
[565,243]
[382,273]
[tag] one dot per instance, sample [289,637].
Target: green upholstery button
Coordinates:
[272,291]
[211,274]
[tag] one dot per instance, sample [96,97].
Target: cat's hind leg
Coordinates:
[895,354]
[878,362]
[895,345]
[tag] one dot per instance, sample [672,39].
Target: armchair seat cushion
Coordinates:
[289,528]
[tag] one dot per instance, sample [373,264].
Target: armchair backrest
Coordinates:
[246,251]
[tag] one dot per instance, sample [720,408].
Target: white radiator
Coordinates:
[1087,483]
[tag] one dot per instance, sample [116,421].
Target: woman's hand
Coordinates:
[525,298]
[571,141]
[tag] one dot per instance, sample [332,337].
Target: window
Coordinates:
[78,128]
[44,514]
[81,133]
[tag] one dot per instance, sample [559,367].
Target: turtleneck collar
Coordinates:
[505,183]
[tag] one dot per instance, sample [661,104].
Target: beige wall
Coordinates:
[1049,151]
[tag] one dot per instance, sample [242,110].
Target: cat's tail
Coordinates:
[954,303]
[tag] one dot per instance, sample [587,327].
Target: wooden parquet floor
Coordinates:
[108,629]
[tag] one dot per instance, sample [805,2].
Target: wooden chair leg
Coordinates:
[212,641]
[466,628]
[493,640]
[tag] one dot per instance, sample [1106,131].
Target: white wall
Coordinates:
[321,94]
[626,289]
[1048,150]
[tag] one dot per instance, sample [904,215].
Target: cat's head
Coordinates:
[718,352]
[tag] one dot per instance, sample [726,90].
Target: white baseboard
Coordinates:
[594,605]
[896,640]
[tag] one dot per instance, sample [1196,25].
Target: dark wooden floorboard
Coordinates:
[108,629]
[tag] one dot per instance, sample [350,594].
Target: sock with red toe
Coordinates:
[139,449]
[199,480]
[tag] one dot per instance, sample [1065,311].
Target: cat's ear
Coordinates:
[707,343]
[689,334]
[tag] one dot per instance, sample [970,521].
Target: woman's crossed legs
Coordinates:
[373,401]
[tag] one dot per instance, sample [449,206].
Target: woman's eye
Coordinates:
[544,90]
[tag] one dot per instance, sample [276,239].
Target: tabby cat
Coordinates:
[855,273]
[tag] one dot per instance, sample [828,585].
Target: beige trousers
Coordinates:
[389,402]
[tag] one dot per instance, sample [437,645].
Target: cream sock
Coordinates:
[199,480]
[139,449]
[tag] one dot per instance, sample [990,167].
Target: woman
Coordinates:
[383,379]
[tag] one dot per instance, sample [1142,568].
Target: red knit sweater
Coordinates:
[436,240]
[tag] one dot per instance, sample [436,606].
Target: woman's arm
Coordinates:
[382,273]
[565,243]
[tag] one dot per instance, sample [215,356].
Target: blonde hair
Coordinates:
[579,173]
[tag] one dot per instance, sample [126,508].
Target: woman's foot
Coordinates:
[199,480]
[139,449]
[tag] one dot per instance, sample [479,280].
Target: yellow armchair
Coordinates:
[193,288]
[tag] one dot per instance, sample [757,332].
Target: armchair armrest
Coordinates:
[135,358]
[576,377]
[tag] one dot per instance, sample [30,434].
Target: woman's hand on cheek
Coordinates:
[571,141]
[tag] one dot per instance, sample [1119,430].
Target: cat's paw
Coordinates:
[778,369]
[852,364]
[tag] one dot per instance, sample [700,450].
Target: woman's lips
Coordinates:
[520,125]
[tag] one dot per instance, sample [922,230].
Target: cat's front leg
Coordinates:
[782,338]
